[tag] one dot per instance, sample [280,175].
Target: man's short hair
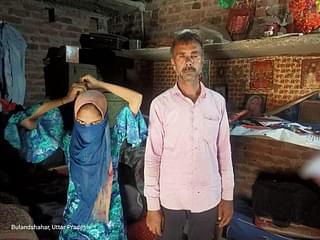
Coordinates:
[186,36]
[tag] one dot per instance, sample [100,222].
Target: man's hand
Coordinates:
[225,211]
[90,81]
[154,222]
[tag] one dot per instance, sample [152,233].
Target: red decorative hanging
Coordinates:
[261,74]
[240,18]
[305,15]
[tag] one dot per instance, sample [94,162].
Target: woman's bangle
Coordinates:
[62,101]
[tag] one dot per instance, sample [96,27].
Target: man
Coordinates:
[188,168]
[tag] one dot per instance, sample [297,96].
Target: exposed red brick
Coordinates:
[19,13]
[12,19]
[48,32]
[69,34]
[260,12]
[32,46]
[31,7]
[196,5]
[65,20]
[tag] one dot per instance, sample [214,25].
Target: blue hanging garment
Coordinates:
[12,64]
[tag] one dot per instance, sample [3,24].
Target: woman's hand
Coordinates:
[74,91]
[29,123]
[90,81]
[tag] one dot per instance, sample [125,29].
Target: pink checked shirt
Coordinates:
[188,158]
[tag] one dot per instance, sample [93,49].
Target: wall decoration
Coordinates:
[305,14]
[206,73]
[221,73]
[238,21]
[222,89]
[255,102]
[310,73]
[240,18]
[261,74]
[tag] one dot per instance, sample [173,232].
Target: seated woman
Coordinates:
[93,209]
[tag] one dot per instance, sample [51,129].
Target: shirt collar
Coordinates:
[177,92]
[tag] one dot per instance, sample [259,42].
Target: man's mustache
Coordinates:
[189,69]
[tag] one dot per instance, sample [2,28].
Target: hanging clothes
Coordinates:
[12,64]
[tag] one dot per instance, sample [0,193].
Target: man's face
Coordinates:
[187,61]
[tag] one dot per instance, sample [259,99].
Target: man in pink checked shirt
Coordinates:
[188,168]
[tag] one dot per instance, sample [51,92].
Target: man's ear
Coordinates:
[173,64]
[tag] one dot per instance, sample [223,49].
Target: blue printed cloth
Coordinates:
[38,144]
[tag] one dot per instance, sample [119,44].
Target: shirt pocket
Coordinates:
[210,128]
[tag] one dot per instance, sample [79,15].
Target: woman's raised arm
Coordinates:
[74,91]
[133,98]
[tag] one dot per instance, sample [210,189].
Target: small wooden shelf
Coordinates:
[152,54]
[308,44]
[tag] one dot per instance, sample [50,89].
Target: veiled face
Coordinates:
[90,107]
[88,114]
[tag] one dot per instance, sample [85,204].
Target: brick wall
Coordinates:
[128,25]
[286,84]
[252,155]
[30,18]
[144,82]
[163,17]
[164,77]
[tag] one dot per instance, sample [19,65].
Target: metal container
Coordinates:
[134,44]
